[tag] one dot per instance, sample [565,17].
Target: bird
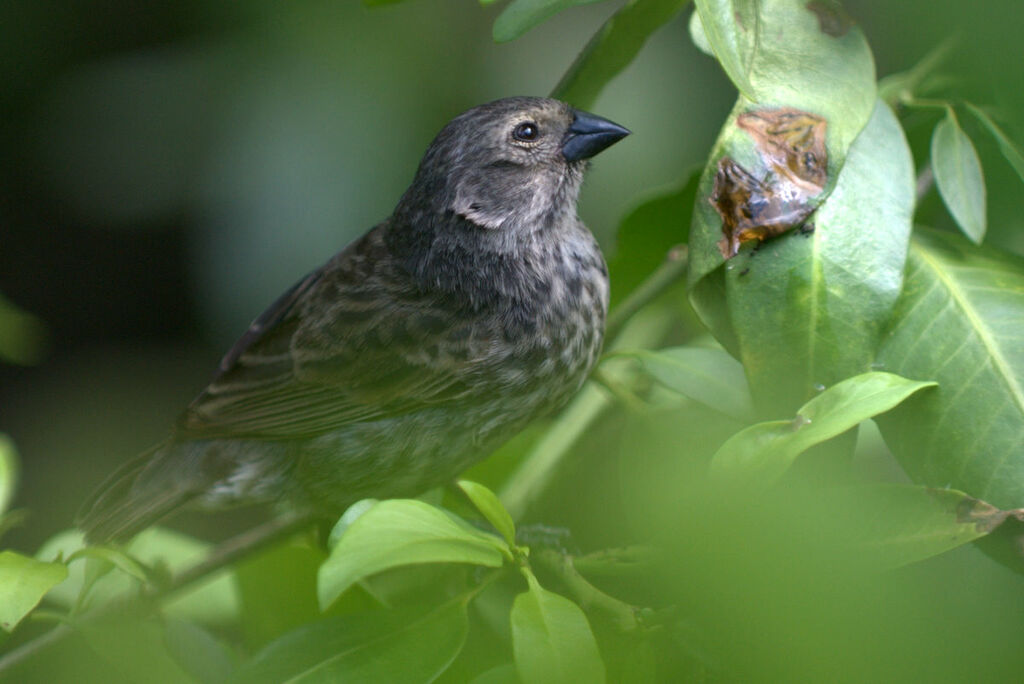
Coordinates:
[476,307]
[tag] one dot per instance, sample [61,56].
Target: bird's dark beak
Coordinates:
[590,134]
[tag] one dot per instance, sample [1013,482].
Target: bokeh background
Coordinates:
[169,167]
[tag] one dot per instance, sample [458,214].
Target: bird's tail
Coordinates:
[126,504]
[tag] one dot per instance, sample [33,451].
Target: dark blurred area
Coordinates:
[171,166]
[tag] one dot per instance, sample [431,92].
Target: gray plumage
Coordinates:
[476,307]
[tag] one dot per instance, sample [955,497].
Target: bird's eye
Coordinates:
[526,132]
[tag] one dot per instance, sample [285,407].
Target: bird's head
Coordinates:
[512,164]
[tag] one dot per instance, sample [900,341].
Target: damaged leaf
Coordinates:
[810,308]
[827,82]
[791,148]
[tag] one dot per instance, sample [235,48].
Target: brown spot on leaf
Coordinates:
[985,516]
[832,18]
[791,144]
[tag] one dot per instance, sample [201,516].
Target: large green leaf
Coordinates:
[958,176]
[959,322]
[551,639]
[403,532]
[409,646]
[784,309]
[522,15]
[612,48]
[763,452]
[23,583]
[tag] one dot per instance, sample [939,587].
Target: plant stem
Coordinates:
[620,614]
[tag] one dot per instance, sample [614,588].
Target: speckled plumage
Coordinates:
[476,307]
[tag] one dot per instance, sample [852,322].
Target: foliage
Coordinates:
[749,523]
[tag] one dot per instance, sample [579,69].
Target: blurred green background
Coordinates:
[171,166]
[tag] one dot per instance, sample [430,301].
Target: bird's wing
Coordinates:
[348,343]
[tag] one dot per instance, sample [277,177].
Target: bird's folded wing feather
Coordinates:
[343,345]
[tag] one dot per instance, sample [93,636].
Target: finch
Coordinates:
[476,307]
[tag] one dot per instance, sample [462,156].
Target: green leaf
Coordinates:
[23,583]
[403,532]
[612,49]
[406,646]
[1010,151]
[763,452]
[8,471]
[488,504]
[647,234]
[899,524]
[959,322]
[551,639]
[958,177]
[707,375]
[522,15]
